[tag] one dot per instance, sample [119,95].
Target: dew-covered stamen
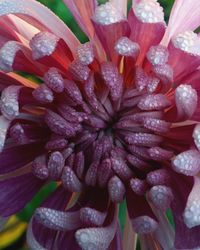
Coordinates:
[116,189]
[144,224]
[91,175]
[125,47]
[191,214]
[73,91]
[120,167]
[70,181]
[85,53]
[43,44]
[91,238]
[39,167]
[79,71]
[56,144]
[149,11]
[196,135]
[159,154]
[138,186]
[188,42]
[158,177]
[55,165]
[7,55]
[43,94]
[92,217]
[107,13]
[18,134]
[156,125]
[71,115]
[154,102]
[79,164]
[104,172]
[58,220]
[161,197]
[59,125]
[9,103]
[137,162]
[89,92]
[144,139]
[187,162]
[158,55]
[186,99]
[166,74]
[4,126]
[53,79]
[112,79]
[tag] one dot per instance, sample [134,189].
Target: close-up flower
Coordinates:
[113,122]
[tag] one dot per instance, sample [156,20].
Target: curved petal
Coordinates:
[82,12]
[41,17]
[185,15]
[17,192]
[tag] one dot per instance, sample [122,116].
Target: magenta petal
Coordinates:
[17,192]
[185,238]
[110,34]
[18,156]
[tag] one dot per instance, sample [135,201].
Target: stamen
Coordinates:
[85,53]
[144,224]
[92,217]
[4,126]
[158,55]
[70,180]
[126,47]
[186,100]
[43,94]
[55,165]
[187,162]
[196,136]
[54,80]
[154,102]
[161,197]
[116,189]
[9,102]
[57,220]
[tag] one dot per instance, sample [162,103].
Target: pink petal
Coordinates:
[42,15]
[82,12]
[141,25]
[181,19]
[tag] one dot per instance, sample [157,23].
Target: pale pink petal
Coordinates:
[42,15]
[185,15]
[82,12]
[121,5]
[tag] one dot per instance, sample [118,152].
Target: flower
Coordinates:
[114,119]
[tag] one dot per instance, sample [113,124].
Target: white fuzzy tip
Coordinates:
[186,100]
[126,47]
[196,136]
[43,44]
[149,11]
[107,13]
[188,42]
[187,163]
[7,55]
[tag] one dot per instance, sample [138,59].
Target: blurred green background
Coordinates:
[13,237]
